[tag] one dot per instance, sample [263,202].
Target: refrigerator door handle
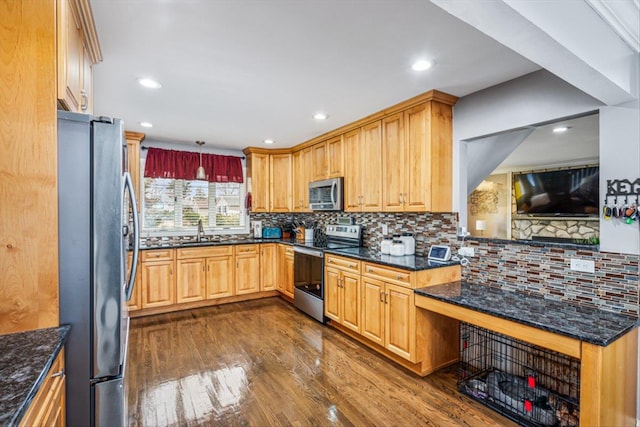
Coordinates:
[136,235]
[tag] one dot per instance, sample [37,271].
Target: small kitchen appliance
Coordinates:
[271,233]
[308,262]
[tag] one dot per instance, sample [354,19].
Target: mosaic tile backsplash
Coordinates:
[541,269]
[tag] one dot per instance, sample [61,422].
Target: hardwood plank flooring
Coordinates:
[263,363]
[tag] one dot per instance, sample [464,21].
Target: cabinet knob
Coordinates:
[399,277]
[58,374]
[84,104]
[369,270]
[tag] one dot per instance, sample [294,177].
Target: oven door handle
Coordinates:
[307,251]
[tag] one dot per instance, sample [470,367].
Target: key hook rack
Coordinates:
[623,187]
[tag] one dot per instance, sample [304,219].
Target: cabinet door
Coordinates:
[86,88]
[288,269]
[158,287]
[280,180]
[190,279]
[373,310]
[332,294]
[220,277]
[70,56]
[280,267]
[135,301]
[301,161]
[370,167]
[268,262]
[350,290]
[259,169]
[335,157]
[393,163]
[247,274]
[400,327]
[352,195]
[319,162]
[418,159]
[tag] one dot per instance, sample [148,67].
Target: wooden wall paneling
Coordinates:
[28,166]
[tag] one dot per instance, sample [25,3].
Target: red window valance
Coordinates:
[184,165]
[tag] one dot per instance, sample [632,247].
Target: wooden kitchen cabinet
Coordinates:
[134,141]
[335,157]
[320,165]
[393,163]
[190,279]
[342,291]
[388,317]
[220,278]
[342,297]
[247,269]
[268,269]
[301,160]
[362,180]
[285,270]
[280,182]
[48,406]
[135,303]
[77,51]
[158,280]
[258,170]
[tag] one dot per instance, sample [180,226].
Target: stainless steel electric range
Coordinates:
[308,261]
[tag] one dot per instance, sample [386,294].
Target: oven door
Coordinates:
[308,277]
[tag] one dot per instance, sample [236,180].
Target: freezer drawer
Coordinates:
[109,400]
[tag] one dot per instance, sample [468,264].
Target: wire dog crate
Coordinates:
[531,385]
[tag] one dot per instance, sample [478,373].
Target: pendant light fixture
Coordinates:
[200,174]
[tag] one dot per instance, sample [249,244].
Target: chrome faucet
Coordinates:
[200,231]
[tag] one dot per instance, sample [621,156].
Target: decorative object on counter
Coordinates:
[200,173]
[627,212]
[481,226]
[397,248]
[385,246]
[409,243]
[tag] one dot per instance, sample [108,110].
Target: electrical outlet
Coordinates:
[466,251]
[584,265]
[385,229]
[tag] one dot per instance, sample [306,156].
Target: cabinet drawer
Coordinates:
[156,255]
[385,273]
[209,251]
[343,263]
[42,403]
[253,249]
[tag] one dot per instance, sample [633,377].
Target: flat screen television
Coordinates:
[562,193]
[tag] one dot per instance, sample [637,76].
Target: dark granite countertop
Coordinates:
[25,358]
[583,323]
[407,262]
[249,241]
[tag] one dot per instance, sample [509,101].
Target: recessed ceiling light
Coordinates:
[422,65]
[321,116]
[150,83]
[146,124]
[269,141]
[560,129]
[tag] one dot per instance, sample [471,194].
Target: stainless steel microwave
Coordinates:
[326,195]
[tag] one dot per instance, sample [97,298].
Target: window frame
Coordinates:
[243,229]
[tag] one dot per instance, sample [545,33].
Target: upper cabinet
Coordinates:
[134,139]
[77,51]
[271,179]
[397,160]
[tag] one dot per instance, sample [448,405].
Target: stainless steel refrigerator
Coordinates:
[96,227]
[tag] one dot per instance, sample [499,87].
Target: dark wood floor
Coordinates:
[263,363]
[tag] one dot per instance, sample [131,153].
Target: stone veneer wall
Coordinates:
[545,270]
[525,229]
[427,228]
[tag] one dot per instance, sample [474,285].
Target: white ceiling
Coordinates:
[545,149]
[235,72]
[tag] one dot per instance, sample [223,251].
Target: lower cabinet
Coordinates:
[202,273]
[268,263]
[342,297]
[158,284]
[48,406]
[388,317]
[135,303]
[376,304]
[284,273]
[247,269]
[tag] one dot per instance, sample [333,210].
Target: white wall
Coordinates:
[537,98]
